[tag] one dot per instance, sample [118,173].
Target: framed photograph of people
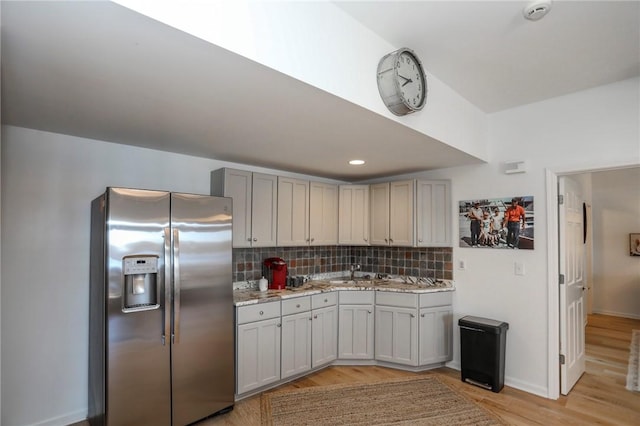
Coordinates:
[634,244]
[497,223]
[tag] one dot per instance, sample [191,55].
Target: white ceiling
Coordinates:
[98,70]
[497,60]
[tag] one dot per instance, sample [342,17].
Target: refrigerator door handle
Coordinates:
[176,287]
[166,286]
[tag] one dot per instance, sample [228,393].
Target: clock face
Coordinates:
[410,79]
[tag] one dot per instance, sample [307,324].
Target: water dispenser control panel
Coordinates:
[140,265]
[141,284]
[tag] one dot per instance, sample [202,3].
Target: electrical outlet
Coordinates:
[462,264]
[519,268]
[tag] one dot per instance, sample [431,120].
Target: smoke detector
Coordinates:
[536,10]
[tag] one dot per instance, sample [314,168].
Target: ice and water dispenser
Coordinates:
[141,291]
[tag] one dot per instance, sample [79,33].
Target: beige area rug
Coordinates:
[633,373]
[422,400]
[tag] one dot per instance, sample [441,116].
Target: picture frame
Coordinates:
[483,223]
[634,244]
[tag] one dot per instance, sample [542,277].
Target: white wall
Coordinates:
[48,182]
[298,38]
[616,214]
[584,130]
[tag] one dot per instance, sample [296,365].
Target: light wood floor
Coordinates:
[599,397]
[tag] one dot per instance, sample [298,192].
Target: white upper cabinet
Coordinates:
[254,205]
[353,220]
[379,214]
[293,212]
[392,207]
[433,213]
[323,214]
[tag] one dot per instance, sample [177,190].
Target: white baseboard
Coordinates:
[617,314]
[527,387]
[513,383]
[66,419]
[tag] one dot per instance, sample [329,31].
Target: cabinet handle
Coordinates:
[298,305]
[391,240]
[386,241]
[412,316]
[419,240]
[249,239]
[279,325]
[310,319]
[307,240]
[261,312]
[255,239]
[365,239]
[369,311]
[315,317]
[422,315]
[313,239]
[326,300]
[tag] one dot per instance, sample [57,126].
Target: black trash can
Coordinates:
[482,351]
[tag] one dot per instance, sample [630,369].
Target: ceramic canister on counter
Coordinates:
[263,284]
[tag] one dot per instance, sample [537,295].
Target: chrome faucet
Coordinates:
[353,268]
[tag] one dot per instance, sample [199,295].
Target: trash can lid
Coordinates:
[484,323]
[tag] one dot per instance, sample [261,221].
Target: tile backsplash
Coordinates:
[431,262]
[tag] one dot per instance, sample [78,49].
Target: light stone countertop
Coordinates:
[251,296]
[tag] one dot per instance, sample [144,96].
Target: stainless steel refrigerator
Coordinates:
[161,344]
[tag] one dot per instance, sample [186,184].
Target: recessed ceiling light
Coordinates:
[356,162]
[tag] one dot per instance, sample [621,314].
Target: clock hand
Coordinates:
[407,80]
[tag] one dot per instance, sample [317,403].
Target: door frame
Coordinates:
[553,305]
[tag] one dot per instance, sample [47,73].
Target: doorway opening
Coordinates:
[552,177]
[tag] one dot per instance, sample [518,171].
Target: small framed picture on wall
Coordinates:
[634,244]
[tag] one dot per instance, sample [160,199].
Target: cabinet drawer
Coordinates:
[324,299]
[261,311]
[356,297]
[295,305]
[402,300]
[442,298]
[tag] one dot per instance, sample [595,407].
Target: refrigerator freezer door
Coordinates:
[203,346]
[138,382]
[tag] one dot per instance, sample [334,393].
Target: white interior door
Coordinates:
[572,283]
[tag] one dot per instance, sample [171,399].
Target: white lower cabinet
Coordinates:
[396,335]
[278,340]
[324,328]
[412,329]
[436,329]
[296,336]
[258,346]
[356,325]
[296,344]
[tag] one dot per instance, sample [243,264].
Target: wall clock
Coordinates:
[401,82]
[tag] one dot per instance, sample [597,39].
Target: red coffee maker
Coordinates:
[275,271]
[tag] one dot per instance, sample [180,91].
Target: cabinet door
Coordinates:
[433,213]
[401,223]
[324,335]
[396,335]
[380,214]
[296,344]
[436,333]
[355,331]
[353,220]
[236,184]
[258,354]
[264,210]
[323,214]
[293,212]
